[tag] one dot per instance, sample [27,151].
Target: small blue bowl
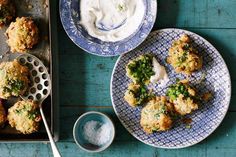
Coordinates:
[78,131]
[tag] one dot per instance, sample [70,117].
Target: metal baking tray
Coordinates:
[46,51]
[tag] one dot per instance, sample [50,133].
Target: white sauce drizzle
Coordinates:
[160,73]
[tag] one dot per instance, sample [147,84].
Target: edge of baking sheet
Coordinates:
[53,48]
[54,66]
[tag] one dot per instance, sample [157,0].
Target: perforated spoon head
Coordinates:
[40,86]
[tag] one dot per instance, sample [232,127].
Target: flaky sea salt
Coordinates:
[97,133]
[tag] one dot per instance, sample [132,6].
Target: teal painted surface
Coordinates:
[197,13]
[84,85]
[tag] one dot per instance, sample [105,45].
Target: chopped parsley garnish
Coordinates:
[33,115]
[18,111]
[182,58]
[141,94]
[175,90]
[23,109]
[161,111]
[154,129]
[186,47]
[17,85]
[14,86]
[27,109]
[188,126]
[141,69]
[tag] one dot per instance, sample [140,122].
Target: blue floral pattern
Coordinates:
[70,17]
[205,120]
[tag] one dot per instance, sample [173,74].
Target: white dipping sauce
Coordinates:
[160,73]
[111,20]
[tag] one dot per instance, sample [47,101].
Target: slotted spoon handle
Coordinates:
[55,151]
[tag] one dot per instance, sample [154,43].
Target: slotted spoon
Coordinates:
[39,89]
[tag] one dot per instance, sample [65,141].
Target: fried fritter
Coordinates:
[24,116]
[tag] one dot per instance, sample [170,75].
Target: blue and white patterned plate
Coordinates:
[70,17]
[205,120]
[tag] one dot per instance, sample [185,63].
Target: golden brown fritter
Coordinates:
[3,116]
[156,115]
[183,96]
[13,79]
[7,12]
[24,116]
[136,94]
[22,34]
[183,57]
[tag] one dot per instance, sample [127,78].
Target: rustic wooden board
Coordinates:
[85,79]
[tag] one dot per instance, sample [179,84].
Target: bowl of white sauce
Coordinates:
[93,131]
[108,27]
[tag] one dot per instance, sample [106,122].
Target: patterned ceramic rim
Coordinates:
[106,49]
[215,127]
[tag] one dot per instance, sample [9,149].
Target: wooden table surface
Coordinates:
[85,79]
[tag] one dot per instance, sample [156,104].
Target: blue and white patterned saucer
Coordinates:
[70,17]
[205,120]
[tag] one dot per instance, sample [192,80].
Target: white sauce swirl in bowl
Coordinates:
[111,20]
